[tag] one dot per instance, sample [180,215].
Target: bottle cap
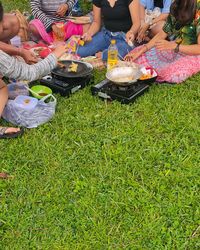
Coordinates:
[113,41]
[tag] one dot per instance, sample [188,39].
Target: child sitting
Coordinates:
[47,13]
[153,14]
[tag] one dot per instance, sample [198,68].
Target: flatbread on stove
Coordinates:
[73,67]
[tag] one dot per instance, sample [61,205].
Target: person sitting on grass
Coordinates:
[121,23]
[13,68]
[10,27]
[153,14]
[47,13]
[175,51]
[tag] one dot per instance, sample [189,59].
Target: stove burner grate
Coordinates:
[125,94]
[64,88]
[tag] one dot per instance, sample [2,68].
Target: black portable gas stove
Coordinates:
[64,87]
[125,94]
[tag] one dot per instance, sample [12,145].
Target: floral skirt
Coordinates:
[171,67]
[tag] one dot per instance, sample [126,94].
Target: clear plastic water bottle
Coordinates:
[112,55]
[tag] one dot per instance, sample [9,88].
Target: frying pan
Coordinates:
[83,70]
[124,76]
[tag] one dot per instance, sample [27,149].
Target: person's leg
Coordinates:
[99,43]
[122,46]
[3,96]
[3,101]
[11,27]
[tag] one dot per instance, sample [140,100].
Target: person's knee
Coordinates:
[83,52]
[4,88]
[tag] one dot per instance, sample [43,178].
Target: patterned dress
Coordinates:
[170,66]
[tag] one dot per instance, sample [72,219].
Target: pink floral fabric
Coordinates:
[171,67]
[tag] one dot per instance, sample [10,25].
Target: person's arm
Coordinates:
[37,12]
[13,51]
[143,26]
[134,55]
[142,13]
[65,8]
[193,49]
[13,68]
[146,26]
[134,10]
[70,4]
[96,24]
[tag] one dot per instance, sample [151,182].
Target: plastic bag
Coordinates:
[17,88]
[41,113]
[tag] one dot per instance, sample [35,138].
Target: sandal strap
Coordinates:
[3,130]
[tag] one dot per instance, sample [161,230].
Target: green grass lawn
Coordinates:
[105,175]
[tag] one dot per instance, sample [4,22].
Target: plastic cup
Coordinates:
[16,41]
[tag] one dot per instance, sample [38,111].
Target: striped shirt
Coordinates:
[11,67]
[45,10]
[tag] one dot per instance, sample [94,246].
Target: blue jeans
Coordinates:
[101,42]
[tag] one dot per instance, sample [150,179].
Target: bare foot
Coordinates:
[98,55]
[3,175]
[6,132]
[12,130]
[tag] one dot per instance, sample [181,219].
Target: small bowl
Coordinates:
[147,71]
[40,91]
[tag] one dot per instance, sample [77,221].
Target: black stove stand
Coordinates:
[63,87]
[106,90]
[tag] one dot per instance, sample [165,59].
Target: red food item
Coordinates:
[44,53]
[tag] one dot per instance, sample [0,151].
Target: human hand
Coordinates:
[130,37]
[165,45]
[87,37]
[58,32]
[60,50]
[142,33]
[28,56]
[62,9]
[132,56]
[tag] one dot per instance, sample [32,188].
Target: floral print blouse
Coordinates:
[184,35]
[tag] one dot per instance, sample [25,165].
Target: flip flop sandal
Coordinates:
[4,135]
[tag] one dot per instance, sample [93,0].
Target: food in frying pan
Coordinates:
[73,67]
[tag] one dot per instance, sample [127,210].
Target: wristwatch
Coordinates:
[176,50]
